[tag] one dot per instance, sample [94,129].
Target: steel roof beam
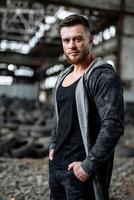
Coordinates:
[105,5]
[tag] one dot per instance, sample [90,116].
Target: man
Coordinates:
[88,119]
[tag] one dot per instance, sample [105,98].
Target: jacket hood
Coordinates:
[97,64]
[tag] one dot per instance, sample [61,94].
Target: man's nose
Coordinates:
[72,44]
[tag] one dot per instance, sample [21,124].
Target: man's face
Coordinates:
[76,43]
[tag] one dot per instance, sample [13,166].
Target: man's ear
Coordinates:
[90,38]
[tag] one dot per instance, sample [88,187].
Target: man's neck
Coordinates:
[81,67]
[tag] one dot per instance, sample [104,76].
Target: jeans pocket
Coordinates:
[73,176]
[50,162]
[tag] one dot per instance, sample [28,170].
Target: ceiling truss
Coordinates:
[22,21]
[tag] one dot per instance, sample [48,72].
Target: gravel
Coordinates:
[23,179]
[122,184]
[27,179]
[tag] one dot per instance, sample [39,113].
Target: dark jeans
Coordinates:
[64,185]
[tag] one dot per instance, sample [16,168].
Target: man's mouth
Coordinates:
[73,53]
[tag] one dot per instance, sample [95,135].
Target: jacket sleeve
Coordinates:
[54,124]
[53,134]
[108,96]
[54,128]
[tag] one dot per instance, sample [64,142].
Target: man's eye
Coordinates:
[66,40]
[78,39]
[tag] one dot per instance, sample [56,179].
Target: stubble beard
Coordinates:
[78,59]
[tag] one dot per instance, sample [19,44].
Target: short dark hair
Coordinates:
[75,19]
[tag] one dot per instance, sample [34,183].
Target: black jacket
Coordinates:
[100,108]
